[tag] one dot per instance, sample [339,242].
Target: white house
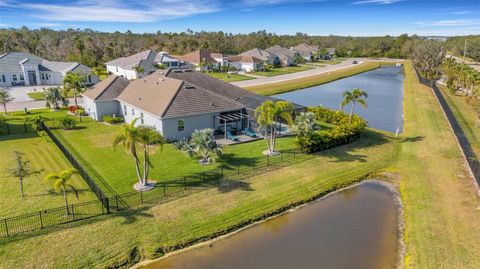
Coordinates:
[25,69]
[168,61]
[220,59]
[263,55]
[126,66]
[245,63]
[175,102]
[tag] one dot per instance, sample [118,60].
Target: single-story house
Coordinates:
[126,66]
[308,52]
[194,60]
[221,59]
[263,55]
[176,102]
[286,56]
[167,60]
[25,69]
[245,63]
[331,52]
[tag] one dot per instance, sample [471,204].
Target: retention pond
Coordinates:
[353,228]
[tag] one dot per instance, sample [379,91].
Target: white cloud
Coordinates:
[277,2]
[458,22]
[378,2]
[117,11]
[462,12]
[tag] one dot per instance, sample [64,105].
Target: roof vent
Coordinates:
[139,98]
[145,81]
[163,79]
[188,70]
[156,82]
[211,104]
[189,87]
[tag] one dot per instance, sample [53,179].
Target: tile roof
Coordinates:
[12,62]
[281,52]
[244,59]
[131,61]
[305,49]
[259,54]
[107,89]
[196,57]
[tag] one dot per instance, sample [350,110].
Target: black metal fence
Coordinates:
[7,128]
[462,139]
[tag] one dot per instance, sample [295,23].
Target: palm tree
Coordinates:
[74,81]
[5,98]
[203,145]
[139,70]
[305,123]
[268,115]
[61,184]
[53,96]
[355,96]
[147,136]
[99,71]
[130,138]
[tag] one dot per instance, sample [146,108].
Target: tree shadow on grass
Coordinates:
[228,185]
[132,215]
[413,139]
[51,192]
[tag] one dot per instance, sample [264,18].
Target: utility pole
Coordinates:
[464,50]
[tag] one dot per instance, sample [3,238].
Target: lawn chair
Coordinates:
[231,137]
[250,132]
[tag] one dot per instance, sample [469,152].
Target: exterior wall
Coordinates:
[9,80]
[131,113]
[246,67]
[128,74]
[96,110]
[31,67]
[85,71]
[170,126]
[90,108]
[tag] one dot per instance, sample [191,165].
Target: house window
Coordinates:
[4,79]
[14,77]
[43,76]
[141,117]
[181,125]
[133,112]
[22,77]
[125,110]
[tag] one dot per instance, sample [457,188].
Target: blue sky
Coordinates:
[314,17]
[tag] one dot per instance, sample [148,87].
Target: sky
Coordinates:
[313,17]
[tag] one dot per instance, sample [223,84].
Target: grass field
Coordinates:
[282,71]
[228,77]
[310,81]
[43,155]
[41,96]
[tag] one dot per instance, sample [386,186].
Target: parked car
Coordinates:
[354,62]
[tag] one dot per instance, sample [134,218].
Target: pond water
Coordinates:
[385,96]
[354,228]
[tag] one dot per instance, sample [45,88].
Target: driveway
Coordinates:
[20,93]
[15,106]
[311,72]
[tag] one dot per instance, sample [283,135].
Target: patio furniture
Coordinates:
[231,137]
[250,132]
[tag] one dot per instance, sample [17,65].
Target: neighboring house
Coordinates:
[263,55]
[195,59]
[286,56]
[308,52]
[126,66]
[167,60]
[245,63]
[331,52]
[101,100]
[25,69]
[220,59]
[176,102]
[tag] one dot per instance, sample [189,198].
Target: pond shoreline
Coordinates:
[286,210]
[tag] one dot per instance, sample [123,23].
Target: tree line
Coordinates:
[94,48]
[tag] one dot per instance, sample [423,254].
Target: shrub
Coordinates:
[342,133]
[80,112]
[3,120]
[112,119]
[67,123]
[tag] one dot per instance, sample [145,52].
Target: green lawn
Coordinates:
[41,96]
[310,81]
[43,155]
[228,77]
[282,71]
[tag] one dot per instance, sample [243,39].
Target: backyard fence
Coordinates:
[466,148]
[7,128]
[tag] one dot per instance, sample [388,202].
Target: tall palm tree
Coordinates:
[5,98]
[269,114]
[53,96]
[130,139]
[203,145]
[148,136]
[355,96]
[61,184]
[74,81]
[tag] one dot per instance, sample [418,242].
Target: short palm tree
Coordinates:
[61,184]
[268,115]
[139,69]
[130,139]
[74,81]
[5,98]
[305,123]
[148,136]
[53,96]
[202,144]
[355,96]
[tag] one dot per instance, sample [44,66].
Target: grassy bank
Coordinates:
[228,77]
[282,71]
[310,81]
[442,219]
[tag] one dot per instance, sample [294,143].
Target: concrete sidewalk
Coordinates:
[15,106]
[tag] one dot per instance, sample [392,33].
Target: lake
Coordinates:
[385,96]
[353,228]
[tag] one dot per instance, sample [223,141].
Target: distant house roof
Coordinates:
[282,53]
[196,57]
[305,50]
[130,62]
[331,50]
[259,54]
[216,55]
[244,59]
[107,89]
[13,61]
[164,57]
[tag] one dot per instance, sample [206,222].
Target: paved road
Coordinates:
[474,65]
[15,106]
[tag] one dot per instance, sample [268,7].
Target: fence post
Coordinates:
[238,169]
[116,201]
[268,160]
[41,219]
[185,182]
[8,129]
[73,212]
[141,196]
[6,227]
[107,202]
[204,176]
[221,170]
[25,127]
[164,189]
